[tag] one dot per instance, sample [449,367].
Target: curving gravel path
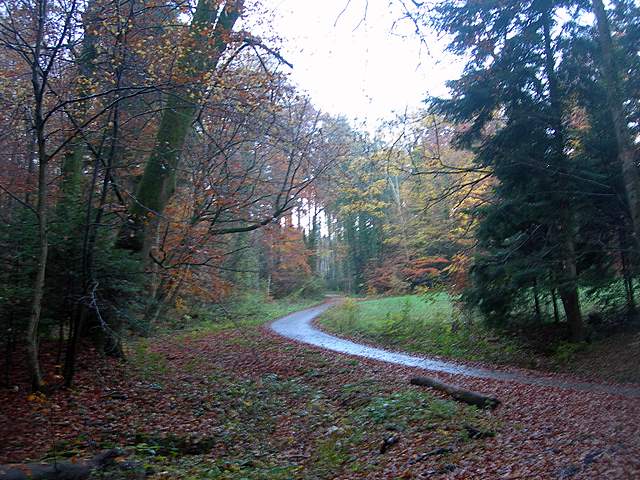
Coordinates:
[298,326]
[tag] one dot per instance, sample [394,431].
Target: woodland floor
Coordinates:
[235,405]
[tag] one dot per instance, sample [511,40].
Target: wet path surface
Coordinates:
[298,326]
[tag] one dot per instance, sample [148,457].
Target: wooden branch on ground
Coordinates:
[460,394]
[58,471]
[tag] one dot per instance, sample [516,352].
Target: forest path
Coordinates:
[298,326]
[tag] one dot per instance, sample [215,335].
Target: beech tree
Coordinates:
[208,37]
[250,160]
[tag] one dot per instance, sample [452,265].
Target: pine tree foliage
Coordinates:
[534,108]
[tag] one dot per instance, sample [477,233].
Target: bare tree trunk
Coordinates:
[38,284]
[536,300]
[38,83]
[394,183]
[626,150]
[571,304]
[9,345]
[568,288]
[32,153]
[77,321]
[74,164]
[626,270]
[554,300]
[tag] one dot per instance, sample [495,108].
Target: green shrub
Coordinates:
[565,352]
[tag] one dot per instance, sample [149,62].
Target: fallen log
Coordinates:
[58,471]
[460,394]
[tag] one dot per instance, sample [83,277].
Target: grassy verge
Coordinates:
[243,314]
[248,310]
[432,326]
[424,325]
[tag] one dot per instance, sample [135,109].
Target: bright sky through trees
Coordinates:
[359,58]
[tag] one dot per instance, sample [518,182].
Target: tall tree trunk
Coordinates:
[536,301]
[9,336]
[571,304]
[38,83]
[626,270]
[615,100]
[158,180]
[77,322]
[568,287]
[73,164]
[554,300]
[565,225]
[32,154]
[394,183]
[38,284]
[314,243]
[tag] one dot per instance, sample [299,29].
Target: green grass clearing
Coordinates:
[425,324]
[249,310]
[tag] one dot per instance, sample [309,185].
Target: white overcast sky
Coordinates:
[364,69]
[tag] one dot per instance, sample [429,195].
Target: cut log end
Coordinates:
[457,393]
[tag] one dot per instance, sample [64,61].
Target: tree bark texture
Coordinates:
[624,143]
[158,180]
